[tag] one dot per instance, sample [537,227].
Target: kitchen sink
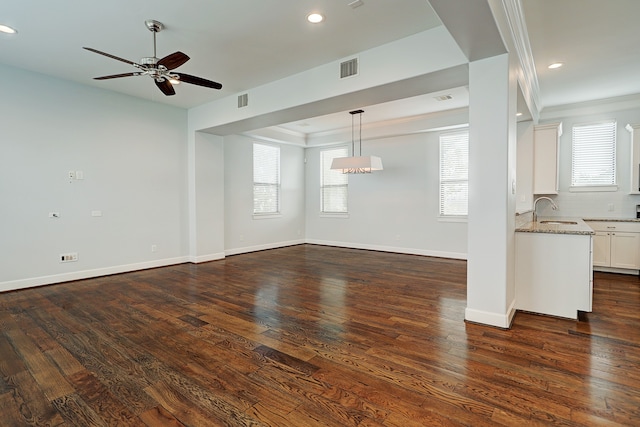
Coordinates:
[553,222]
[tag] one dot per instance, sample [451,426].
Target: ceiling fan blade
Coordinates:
[166,87]
[126,61]
[116,76]
[187,78]
[174,60]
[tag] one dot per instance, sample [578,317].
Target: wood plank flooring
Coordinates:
[310,336]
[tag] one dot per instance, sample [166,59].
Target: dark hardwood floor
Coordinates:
[310,336]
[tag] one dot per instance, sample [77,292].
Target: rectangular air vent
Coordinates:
[349,68]
[443,97]
[243,100]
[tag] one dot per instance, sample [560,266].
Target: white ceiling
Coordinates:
[246,43]
[599,42]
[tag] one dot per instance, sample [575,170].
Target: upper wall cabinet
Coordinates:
[546,146]
[635,158]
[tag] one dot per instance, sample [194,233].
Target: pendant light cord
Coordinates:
[353,143]
[360,138]
[353,146]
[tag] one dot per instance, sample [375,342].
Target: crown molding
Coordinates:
[527,77]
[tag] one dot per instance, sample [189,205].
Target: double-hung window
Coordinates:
[333,183]
[593,156]
[454,174]
[266,179]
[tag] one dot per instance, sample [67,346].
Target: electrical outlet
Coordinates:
[154,248]
[68,257]
[611,207]
[72,174]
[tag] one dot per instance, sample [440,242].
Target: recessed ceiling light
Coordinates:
[555,65]
[7,29]
[443,97]
[518,114]
[315,18]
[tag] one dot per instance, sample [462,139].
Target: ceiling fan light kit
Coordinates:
[357,164]
[159,69]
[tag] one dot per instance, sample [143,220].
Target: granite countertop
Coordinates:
[613,219]
[537,227]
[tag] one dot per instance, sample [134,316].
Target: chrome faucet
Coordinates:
[535,203]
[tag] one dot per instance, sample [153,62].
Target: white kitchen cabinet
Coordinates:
[546,146]
[602,249]
[554,273]
[616,246]
[625,250]
[634,130]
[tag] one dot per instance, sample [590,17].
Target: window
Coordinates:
[266,179]
[454,174]
[333,183]
[593,155]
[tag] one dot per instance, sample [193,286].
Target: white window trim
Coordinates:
[275,214]
[267,215]
[595,187]
[332,214]
[453,218]
[448,217]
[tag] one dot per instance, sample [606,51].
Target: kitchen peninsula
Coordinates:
[554,267]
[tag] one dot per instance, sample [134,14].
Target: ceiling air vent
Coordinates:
[243,100]
[349,68]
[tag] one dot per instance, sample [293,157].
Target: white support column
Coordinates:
[206,197]
[492,160]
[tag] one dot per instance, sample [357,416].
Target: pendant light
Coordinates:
[357,164]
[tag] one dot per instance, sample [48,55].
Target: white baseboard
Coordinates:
[87,274]
[256,248]
[395,249]
[498,320]
[206,258]
[615,270]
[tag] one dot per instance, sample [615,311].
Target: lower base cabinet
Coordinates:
[616,246]
[554,273]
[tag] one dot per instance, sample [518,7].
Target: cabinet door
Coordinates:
[545,158]
[602,249]
[625,250]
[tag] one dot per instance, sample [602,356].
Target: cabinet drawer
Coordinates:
[626,227]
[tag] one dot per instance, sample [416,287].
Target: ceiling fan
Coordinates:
[160,70]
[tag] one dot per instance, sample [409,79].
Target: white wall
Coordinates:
[133,155]
[243,232]
[206,197]
[392,210]
[595,204]
[524,167]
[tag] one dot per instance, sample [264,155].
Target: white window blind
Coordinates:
[333,183]
[454,174]
[266,179]
[593,155]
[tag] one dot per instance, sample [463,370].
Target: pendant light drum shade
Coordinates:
[357,164]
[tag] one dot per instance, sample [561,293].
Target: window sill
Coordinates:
[266,216]
[593,188]
[333,215]
[452,218]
